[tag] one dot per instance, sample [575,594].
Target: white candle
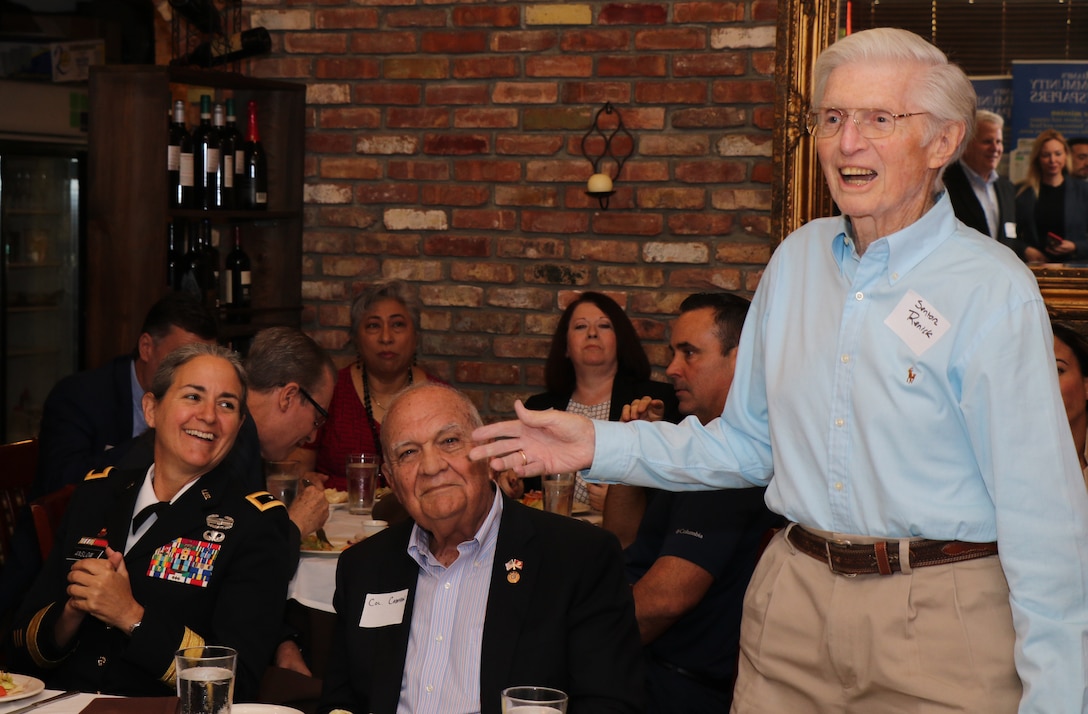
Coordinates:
[599,183]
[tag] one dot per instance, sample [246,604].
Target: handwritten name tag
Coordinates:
[383,609]
[917,323]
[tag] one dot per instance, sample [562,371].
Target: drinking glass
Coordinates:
[281,479]
[533,700]
[558,493]
[206,679]
[362,476]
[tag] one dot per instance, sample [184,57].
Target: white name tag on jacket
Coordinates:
[384,609]
[917,323]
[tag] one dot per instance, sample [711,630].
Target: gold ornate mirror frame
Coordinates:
[799,193]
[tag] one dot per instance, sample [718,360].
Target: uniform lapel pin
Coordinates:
[513,566]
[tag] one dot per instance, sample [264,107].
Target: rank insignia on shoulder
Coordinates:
[263,500]
[95,475]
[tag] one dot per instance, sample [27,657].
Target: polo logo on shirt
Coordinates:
[915,321]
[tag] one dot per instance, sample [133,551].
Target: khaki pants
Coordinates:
[939,639]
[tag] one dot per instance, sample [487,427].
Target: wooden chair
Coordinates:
[18,462]
[48,512]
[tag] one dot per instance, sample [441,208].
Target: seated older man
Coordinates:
[477,592]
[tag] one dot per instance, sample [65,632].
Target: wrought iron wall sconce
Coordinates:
[601,184]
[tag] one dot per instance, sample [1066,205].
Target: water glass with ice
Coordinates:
[206,679]
[362,476]
[533,700]
[558,493]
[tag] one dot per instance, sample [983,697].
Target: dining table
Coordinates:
[315,579]
[69,705]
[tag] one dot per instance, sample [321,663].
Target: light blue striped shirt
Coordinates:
[911,391]
[442,664]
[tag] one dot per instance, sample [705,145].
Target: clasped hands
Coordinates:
[100,587]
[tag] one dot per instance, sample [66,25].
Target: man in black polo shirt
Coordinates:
[694,553]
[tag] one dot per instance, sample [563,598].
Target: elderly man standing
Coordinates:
[980,197]
[895,390]
[477,593]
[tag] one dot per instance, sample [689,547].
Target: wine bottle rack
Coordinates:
[128,203]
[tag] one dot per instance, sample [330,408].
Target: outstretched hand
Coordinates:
[537,442]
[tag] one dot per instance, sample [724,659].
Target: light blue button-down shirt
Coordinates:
[442,664]
[910,391]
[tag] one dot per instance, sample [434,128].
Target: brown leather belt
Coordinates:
[882,557]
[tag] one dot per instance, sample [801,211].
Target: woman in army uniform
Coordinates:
[175,555]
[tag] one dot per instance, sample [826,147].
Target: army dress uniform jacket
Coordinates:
[213,568]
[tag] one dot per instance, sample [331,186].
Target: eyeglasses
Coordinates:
[825,122]
[323,416]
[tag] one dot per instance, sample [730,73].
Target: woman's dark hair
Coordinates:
[632,362]
[1075,341]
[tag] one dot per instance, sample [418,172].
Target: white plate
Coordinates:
[28,687]
[262,709]
[334,553]
[579,508]
[338,506]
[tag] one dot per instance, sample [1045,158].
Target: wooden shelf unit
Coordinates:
[128,207]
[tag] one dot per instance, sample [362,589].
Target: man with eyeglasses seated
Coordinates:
[895,392]
[477,592]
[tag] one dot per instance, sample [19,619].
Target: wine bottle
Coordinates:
[205,156]
[201,14]
[239,143]
[179,160]
[174,272]
[223,50]
[209,272]
[253,192]
[224,171]
[237,281]
[192,264]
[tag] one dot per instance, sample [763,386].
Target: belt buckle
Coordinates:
[830,564]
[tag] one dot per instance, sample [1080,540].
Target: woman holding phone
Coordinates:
[1051,211]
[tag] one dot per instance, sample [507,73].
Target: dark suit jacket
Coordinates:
[84,415]
[970,211]
[240,605]
[568,623]
[623,392]
[1076,218]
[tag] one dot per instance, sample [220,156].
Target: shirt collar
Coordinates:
[978,178]
[419,541]
[905,248]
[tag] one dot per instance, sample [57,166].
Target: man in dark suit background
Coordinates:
[89,413]
[477,593]
[980,197]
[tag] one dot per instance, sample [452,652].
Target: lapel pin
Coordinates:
[512,567]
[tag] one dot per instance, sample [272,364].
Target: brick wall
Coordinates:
[444,147]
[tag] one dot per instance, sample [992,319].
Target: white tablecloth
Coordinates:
[71,705]
[315,579]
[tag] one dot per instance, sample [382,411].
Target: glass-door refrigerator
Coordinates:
[42,179]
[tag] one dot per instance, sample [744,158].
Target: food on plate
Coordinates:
[8,685]
[382,493]
[533,499]
[334,496]
[313,543]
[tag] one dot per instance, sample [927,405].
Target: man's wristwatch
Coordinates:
[132,628]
